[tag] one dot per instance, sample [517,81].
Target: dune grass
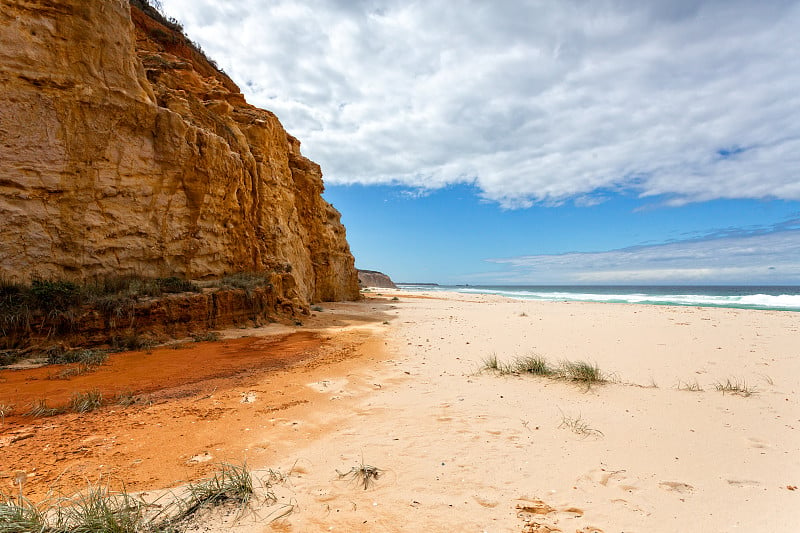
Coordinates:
[230,483]
[573,371]
[579,426]
[84,402]
[100,509]
[20,516]
[40,408]
[735,386]
[363,475]
[689,387]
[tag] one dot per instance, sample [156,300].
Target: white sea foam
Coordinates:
[755,301]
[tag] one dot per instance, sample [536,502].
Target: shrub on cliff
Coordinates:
[55,303]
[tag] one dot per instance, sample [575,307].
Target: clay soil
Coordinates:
[197,404]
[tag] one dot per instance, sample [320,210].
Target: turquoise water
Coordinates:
[784,298]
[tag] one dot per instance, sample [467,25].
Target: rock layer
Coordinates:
[125,151]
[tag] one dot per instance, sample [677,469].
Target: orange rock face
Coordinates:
[123,150]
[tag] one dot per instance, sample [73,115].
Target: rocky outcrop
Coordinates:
[373,278]
[123,150]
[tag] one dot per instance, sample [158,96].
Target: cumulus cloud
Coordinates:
[766,256]
[532,101]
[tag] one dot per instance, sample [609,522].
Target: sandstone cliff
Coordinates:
[373,278]
[123,150]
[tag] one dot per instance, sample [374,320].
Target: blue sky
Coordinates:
[527,141]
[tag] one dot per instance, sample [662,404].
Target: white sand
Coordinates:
[463,450]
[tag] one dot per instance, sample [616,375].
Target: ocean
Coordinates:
[781,298]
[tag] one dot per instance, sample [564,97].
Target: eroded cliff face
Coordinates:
[124,151]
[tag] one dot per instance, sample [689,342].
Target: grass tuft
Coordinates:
[129,398]
[735,386]
[20,516]
[230,483]
[40,409]
[208,336]
[84,402]
[581,371]
[131,342]
[362,474]
[690,387]
[579,426]
[492,363]
[100,510]
[534,364]
[578,371]
[248,281]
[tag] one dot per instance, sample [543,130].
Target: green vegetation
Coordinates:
[230,483]
[53,306]
[534,364]
[581,371]
[39,409]
[247,281]
[83,402]
[208,336]
[576,371]
[20,516]
[89,358]
[131,342]
[101,510]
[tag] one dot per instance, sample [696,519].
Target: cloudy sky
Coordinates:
[575,142]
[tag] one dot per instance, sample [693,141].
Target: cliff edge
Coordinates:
[373,278]
[124,150]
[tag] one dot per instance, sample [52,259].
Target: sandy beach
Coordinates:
[400,385]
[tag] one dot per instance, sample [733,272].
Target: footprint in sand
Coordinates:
[610,478]
[755,442]
[676,486]
[743,482]
[540,517]
[485,501]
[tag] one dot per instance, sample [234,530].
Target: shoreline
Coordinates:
[785,299]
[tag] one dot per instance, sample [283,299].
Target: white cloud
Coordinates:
[533,101]
[763,257]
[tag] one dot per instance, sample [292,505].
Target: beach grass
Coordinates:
[690,387]
[40,408]
[84,402]
[581,371]
[735,386]
[578,426]
[230,483]
[574,371]
[20,515]
[208,336]
[99,510]
[363,474]
[534,364]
